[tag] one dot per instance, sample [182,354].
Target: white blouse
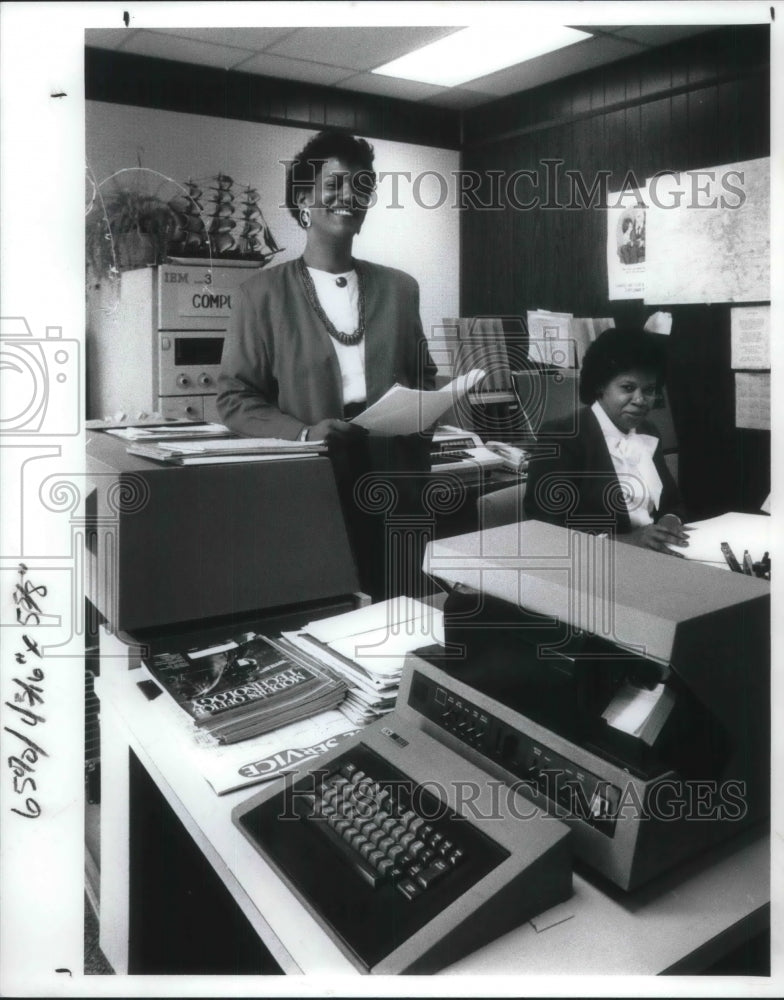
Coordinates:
[342,307]
[632,457]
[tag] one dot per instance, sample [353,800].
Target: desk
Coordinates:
[152,523]
[682,922]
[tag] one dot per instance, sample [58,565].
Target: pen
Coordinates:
[729,555]
[748,567]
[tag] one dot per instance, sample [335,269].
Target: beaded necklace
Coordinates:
[349,339]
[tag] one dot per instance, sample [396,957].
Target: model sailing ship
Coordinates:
[221,220]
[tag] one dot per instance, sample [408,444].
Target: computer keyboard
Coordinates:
[448,457]
[373,816]
[408,867]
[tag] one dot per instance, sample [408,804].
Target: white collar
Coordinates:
[608,427]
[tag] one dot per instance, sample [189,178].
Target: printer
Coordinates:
[624,691]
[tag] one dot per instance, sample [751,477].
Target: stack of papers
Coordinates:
[205,451]
[368,648]
[184,431]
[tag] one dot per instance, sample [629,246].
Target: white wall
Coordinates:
[423,241]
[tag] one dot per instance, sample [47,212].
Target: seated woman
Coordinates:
[609,474]
[315,340]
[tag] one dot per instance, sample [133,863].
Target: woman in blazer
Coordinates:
[609,473]
[315,340]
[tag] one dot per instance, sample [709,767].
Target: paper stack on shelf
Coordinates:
[244,685]
[368,647]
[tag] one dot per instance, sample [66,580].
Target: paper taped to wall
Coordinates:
[750,329]
[752,401]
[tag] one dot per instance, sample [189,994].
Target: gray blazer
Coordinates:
[279,370]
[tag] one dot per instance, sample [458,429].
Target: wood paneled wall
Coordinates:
[699,103]
[126,78]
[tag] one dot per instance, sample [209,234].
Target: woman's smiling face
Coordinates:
[339,199]
[627,398]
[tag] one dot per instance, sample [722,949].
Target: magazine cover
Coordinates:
[241,676]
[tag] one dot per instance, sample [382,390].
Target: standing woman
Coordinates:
[314,341]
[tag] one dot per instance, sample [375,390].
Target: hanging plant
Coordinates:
[126,227]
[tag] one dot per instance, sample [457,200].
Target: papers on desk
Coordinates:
[371,618]
[206,452]
[409,411]
[743,532]
[368,648]
[171,432]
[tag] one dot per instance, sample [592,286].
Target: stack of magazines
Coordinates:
[368,648]
[245,685]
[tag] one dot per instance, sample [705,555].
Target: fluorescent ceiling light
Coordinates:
[473,52]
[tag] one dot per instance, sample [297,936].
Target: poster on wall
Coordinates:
[709,235]
[626,244]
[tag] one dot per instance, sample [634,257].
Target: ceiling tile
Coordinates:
[108,38]
[164,46]
[255,39]
[294,69]
[391,86]
[357,48]
[554,65]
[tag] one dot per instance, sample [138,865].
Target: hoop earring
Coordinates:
[304,218]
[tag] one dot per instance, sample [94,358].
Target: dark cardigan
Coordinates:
[280,371]
[578,487]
